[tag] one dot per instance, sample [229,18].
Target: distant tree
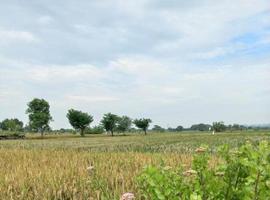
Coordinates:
[124,124]
[79,120]
[242,127]
[12,125]
[109,122]
[170,129]
[179,128]
[142,124]
[236,127]
[158,128]
[229,127]
[218,126]
[96,130]
[200,127]
[39,115]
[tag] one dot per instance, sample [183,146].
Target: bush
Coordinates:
[243,173]
[95,130]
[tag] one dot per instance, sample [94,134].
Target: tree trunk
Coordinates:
[42,133]
[112,132]
[144,131]
[82,132]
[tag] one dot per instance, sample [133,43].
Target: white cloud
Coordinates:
[13,36]
[63,72]
[45,19]
[149,57]
[91,98]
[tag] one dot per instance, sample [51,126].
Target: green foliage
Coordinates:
[158,128]
[219,126]
[79,120]
[94,130]
[39,115]
[142,124]
[160,183]
[124,124]
[109,122]
[11,125]
[177,129]
[200,127]
[243,173]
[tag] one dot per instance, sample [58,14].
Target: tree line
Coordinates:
[38,111]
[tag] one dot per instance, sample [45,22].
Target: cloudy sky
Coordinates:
[177,62]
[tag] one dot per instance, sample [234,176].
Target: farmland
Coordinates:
[99,166]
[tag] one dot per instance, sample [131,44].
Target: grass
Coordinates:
[56,167]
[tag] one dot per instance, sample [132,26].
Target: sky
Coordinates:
[177,62]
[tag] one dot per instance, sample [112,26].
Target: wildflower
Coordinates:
[219,173]
[200,150]
[167,168]
[90,169]
[235,152]
[127,196]
[190,172]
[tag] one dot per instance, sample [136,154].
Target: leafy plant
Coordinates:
[243,173]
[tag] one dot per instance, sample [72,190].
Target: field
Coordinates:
[59,167]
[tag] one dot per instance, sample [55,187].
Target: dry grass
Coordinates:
[56,168]
[57,174]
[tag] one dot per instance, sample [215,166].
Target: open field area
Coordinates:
[56,167]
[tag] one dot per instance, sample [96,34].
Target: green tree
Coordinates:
[218,126]
[79,120]
[39,115]
[179,128]
[236,127]
[94,130]
[124,124]
[109,122]
[142,124]
[158,128]
[200,127]
[12,125]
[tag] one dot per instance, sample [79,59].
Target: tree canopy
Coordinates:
[39,115]
[158,128]
[79,120]
[124,124]
[219,126]
[11,125]
[200,127]
[142,124]
[109,122]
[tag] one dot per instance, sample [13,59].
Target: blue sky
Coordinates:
[177,62]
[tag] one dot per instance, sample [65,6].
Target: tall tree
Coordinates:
[142,124]
[124,124]
[39,115]
[79,120]
[109,122]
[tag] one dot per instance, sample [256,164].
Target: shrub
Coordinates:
[95,130]
[243,173]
